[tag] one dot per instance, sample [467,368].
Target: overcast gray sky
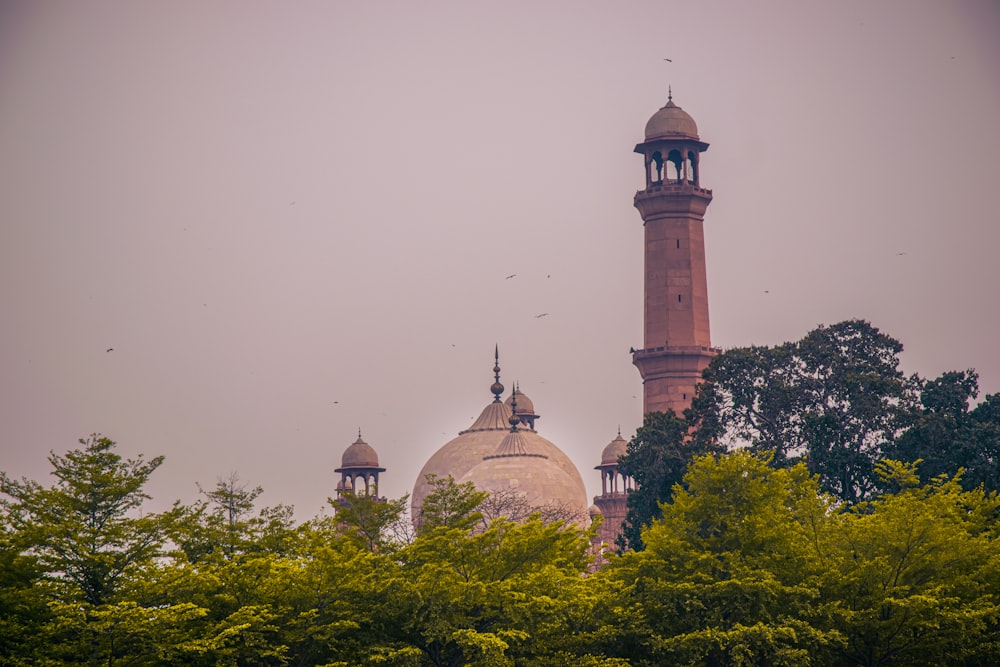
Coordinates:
[292,220]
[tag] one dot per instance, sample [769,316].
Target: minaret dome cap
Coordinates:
[671,122]
[359,455]
[615,448]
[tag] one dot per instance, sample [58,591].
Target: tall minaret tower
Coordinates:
[677,345]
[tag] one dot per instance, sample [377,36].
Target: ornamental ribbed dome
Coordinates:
[359,455]
[614,449]
[535,469]
[671,122]
[546,463]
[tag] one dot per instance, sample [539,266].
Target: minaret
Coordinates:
[612,504]
[359,470]
[677,346]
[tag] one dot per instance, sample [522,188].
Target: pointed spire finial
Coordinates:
[497,388]
[619,430]
[670,94]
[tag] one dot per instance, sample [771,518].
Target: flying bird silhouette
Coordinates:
[668,60]
[510,276]
[110,349]
[542,315]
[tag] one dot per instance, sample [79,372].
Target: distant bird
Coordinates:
[510,276]
[336,402]
[900,253]
[767,291]
[110,349]
[549,275]
[542,315]
[668,60]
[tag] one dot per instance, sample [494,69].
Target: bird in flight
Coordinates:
[110,349]
[542,315]
[510,276]
[668,60]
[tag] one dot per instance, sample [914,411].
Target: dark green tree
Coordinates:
[657,458]
[947,436]
[835,399]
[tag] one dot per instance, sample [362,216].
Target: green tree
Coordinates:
[23,601]
[728,573]
[913,576]
[494,596]
[369,519]
[450,504]
[81,529]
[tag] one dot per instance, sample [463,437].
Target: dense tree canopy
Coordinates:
[853,521]
[834,399]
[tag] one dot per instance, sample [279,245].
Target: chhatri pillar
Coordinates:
[677,345]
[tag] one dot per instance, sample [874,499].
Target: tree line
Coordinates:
[836,401]
[753,555]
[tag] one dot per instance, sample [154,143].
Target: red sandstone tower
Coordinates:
[677,345]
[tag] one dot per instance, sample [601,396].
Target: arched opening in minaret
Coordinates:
[657,164]
[675,167]
[693,167]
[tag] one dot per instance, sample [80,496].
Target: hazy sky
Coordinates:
[292,220]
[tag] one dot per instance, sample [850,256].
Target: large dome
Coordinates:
[482,439]
[671,122]
[535,469]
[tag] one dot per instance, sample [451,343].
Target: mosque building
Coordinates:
[501,451]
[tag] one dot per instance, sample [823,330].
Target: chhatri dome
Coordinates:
[497,452]
[671,122]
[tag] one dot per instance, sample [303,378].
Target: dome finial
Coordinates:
[670,93]
[513,420]
[497,388]
[359,433]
